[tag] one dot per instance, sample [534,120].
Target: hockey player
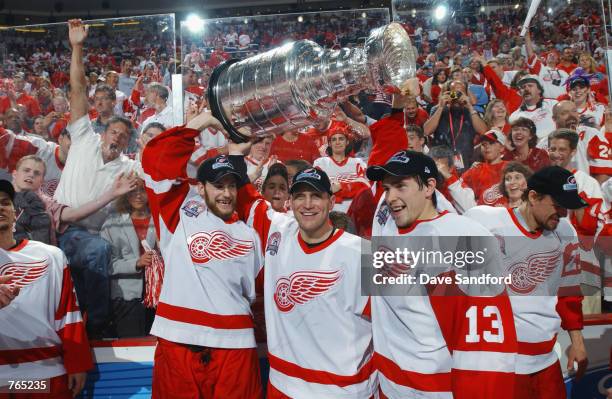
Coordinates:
[206,345]
[42,335]
[429,346]
[318,329]
[540,252]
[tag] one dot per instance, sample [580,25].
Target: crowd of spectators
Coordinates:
[491,108]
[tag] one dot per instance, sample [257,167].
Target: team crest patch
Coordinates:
[302,287]
[383,214]
[273,243]
[529,273]
[571,184]
[222,162]
[23,274]
[216,245]
[193,208]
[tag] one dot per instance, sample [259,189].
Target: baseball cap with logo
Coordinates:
[495,135]
[530,78]
[560,184]
[405,163]
[214,169]
[315,178]
[579,81]
[7,187]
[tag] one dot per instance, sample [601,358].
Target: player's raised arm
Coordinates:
[77,33]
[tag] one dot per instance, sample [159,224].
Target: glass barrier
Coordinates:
[124,53]
[207,43]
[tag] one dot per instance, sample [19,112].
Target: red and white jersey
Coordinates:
[478,185]
[318,328]
[350,174]
[48,151]
[594,151]
[545,288]
[541,116]
[211,264]
[592,114]
[42,333]
[592,224]
[252,164]
[430,346]
[552,79]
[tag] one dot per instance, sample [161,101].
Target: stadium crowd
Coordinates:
[491,109]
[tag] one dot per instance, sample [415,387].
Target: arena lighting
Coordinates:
[516,6]
[413,12]
[549,10]
[194,23]
[440,12]
[364,15]
[300,19]
[246,21]
[482,8]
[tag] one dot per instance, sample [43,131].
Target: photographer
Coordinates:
[454,122]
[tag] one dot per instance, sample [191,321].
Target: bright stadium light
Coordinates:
[364,15]
[413,12]
[440,12]
[194,23]
[482,8]
[549,10]
[246,21]
[516,6]
[300,19]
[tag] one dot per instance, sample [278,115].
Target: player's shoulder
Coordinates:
[485,215]
[352,241]
[40,249]
[455,224]
[565,229]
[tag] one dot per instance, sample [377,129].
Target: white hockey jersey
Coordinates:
[318,327]
[211,264]
[350,174]
[426,346]
[542,117]
[594,151]
[545,288]
[42,334]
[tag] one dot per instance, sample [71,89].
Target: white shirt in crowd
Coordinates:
[165,117]
[542,117]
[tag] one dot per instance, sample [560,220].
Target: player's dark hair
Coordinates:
[119,119]
[109,91]
[415,129]
[277,169]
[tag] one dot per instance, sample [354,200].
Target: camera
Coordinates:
[455,95]
[556,82]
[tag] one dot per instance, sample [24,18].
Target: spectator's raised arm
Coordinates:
[77,33]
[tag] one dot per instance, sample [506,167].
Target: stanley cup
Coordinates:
[299,84]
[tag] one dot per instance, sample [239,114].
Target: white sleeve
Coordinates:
[80,129]
[462,196]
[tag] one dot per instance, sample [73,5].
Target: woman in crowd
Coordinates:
[39,127]
[514,183]
[125,231]
[523,139]
[591,112]
[275,187]
[496,116]
[438,80]
[346,173]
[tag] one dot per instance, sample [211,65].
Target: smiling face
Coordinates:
[276,192]
[405,199]
[311,210]
[560,152]
[29,175]
[515,184]
[221,196]
[499,110]
[520,136]
[579,93]
[565,115]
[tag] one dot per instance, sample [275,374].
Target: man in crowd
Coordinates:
[91,168]
[206,343]
[294,145]
[535,106]
[455,123]
[157,98]
[48,342]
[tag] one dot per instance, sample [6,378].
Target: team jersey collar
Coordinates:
[311,250]
[406,230]
[520,226]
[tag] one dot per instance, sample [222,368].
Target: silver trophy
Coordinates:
[299,84]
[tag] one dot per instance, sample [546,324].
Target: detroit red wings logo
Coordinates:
[23,274]
[218,245]
[301,287]
[491,195]
[49,187]
[526,275]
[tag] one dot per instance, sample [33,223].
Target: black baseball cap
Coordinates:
[214,169]
[405,163]
[560,184]
[315,178]
[7,187]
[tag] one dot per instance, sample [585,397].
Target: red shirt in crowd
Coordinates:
[536,160]
[483,178]
[567,68]
[303,148]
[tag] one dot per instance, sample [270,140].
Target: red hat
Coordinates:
[338,127]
